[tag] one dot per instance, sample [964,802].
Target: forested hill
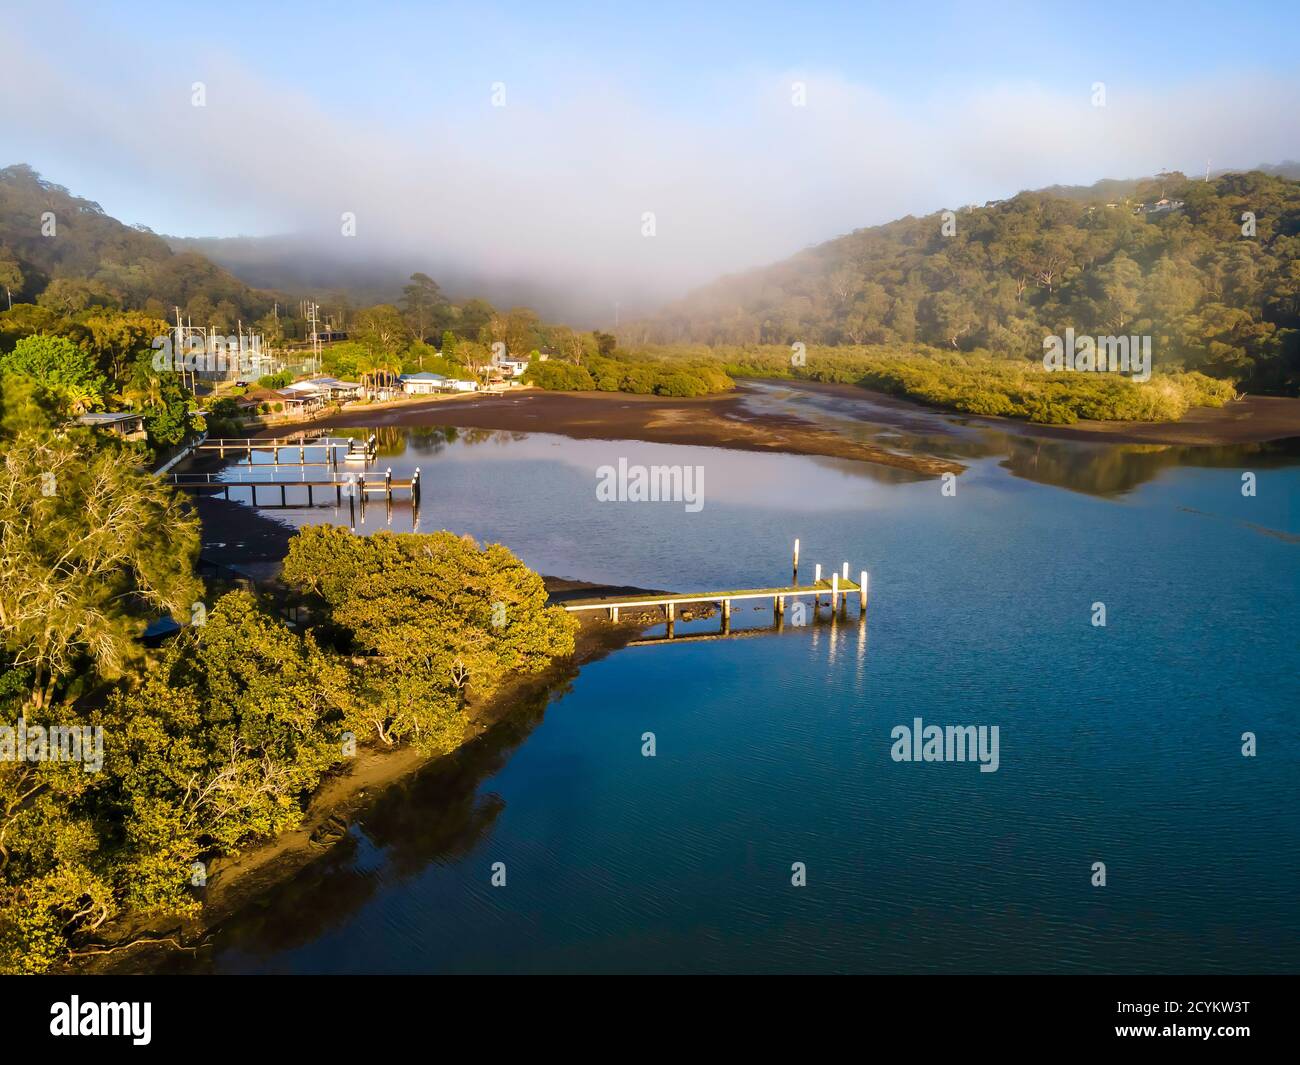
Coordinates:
[1212,296]
[90,259]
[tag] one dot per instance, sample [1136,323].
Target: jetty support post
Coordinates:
[835,592]
[817,576]
[862,594]
[795,577]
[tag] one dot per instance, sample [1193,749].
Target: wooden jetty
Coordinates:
[837,589]
[336,448]
[352,486]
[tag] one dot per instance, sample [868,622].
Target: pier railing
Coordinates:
[350,448]
[356,485]
[837,588]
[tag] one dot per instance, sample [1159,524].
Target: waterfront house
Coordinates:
[323,389]
[301,396]
[254,396]
[427,384]
[423,383]
[333,388]
[511,367]
[121,423]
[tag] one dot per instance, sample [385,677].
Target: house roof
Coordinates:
[103,417]
[423,376]
[331,382]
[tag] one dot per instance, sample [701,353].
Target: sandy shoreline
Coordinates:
[722,421]
[1252,420]
[710,421]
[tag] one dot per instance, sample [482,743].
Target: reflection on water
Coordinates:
[435,816]
[1102,469]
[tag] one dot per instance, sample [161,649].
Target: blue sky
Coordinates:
[356,55]
[614,109]
[349,52]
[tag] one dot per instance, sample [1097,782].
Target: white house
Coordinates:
[426,384]
[423,384]
[509,367]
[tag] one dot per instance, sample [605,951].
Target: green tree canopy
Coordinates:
[63,370]
[436,615]
[90,543]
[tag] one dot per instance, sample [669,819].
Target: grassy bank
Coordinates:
[973,383]
[640,374]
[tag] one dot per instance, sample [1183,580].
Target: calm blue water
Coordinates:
[1119,744]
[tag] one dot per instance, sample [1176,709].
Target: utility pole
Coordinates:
[312,317]
[178,356]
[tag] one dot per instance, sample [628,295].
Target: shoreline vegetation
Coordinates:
[974,382]
[236,881]
[142,941]
[981,384]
